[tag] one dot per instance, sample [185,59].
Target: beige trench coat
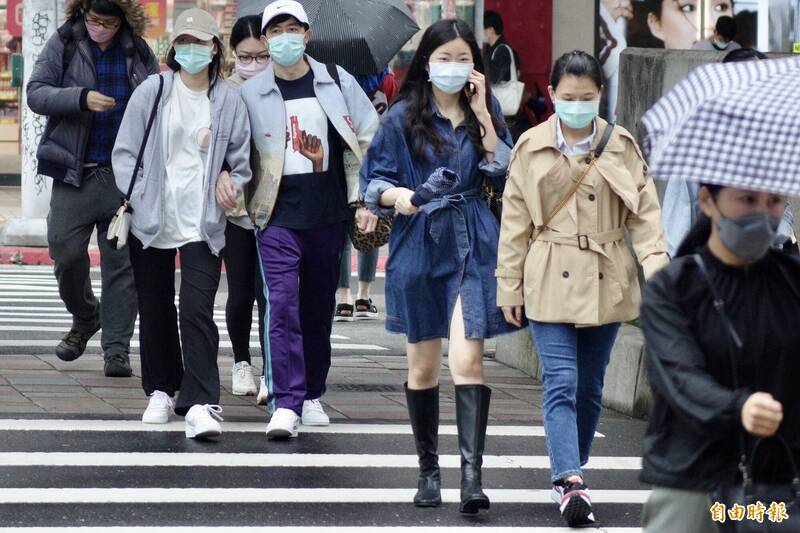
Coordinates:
[579,270]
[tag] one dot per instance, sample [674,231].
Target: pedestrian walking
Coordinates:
[82,82]
[303,115]
[722,40]
[240,254]
[199,123]
[574,185]
[381,90]
[439,278]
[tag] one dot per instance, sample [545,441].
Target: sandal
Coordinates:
[344,313]
[366,309]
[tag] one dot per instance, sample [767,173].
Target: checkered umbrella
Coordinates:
[731,124]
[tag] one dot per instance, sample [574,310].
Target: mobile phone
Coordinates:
[470,89]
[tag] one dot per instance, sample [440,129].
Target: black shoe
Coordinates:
[365,309]
[117,366]
[472,415]
[74,342]
[423,409]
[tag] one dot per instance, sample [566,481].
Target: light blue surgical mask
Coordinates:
[287,49]
[449,76]
[577,115]
[193,58]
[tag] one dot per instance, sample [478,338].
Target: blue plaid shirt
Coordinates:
[112,80]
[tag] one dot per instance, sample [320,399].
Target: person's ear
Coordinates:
[307,36]
[654,23]
[707,204]
[552,93]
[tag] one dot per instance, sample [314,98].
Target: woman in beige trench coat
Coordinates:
[578,280]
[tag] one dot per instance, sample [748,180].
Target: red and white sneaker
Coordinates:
[574,502]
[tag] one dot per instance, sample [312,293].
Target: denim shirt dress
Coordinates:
[450,247]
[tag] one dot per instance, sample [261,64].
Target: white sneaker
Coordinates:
[314,414]
[159,408]
[243,382]
[201,421]
[263,393]
[283,424]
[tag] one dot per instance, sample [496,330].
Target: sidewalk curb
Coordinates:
[23,255]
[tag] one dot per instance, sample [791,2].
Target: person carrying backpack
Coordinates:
[82,82]
[303,114]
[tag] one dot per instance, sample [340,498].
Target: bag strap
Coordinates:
[146,135]
[334,72]
[598,151]
[513,75]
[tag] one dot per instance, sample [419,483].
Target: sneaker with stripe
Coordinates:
[574,502]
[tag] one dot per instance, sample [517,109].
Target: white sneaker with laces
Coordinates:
[202,421]
[263,393]
[283,424]
[243,381]
[314,414]
[158,409]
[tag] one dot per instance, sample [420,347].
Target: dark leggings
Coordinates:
[244,286]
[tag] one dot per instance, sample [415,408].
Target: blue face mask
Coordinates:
[287,49]
[193,58]
[577,115]
[449,76]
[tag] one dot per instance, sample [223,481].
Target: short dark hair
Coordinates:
[577,63]
[280,19]
[726,27]
[492,19]
[214,69]
[107,8]
[743,54]
[245,28]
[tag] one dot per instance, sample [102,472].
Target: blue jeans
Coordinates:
[367,265]
[574,362]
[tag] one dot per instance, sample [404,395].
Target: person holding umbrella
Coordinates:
[722,362]
[303,114]
[445,124]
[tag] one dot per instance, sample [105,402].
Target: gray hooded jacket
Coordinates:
[61,96]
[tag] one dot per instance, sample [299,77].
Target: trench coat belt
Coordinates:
[591,242]
[437,209]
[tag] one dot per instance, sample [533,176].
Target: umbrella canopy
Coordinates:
[361,36]
[731,124]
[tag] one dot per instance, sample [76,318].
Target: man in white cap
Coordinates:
[304,116]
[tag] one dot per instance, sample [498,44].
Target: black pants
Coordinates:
[195,374]
[244,286]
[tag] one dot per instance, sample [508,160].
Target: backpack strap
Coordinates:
[334,72]
[67,37]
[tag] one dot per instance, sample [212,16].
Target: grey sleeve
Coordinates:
[131,133]
[46,96]
[238,154]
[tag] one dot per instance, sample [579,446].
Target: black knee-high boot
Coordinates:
[423,409]
[472,414]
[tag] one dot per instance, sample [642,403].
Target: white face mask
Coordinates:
[449,76]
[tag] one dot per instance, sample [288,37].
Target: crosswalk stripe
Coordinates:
[305,529]
[26,343]
[251,427]
[285,495]
[297,460]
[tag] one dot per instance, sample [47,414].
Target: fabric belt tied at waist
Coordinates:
[438,208]
[591,241]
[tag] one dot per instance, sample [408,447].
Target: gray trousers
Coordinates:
[74,213]
[678,511]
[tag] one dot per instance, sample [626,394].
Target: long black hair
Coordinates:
[214,69]
[245,28]
[417,92]
[701,229]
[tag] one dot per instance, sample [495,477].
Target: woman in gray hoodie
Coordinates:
[200,126]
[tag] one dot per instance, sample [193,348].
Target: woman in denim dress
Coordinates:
[440,274]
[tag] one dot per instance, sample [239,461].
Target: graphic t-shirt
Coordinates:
[313,191]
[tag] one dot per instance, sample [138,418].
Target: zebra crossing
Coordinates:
[58,475]
[33,317]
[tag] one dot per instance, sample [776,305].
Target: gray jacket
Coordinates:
[61,96]
[230,142]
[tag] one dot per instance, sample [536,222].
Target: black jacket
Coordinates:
[498,61]
[61,96]
[691,440]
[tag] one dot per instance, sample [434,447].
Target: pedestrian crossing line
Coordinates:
[251,427]
[302,529]
[48,343]
[289,460]
[284,495]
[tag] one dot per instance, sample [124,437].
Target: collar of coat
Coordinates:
[267,82]
[133,10]
[545,136]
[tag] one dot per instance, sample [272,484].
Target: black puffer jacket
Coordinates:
[692,436]
[61,96]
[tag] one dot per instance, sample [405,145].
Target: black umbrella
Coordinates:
[361,36]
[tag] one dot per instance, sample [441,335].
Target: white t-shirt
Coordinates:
[188,137]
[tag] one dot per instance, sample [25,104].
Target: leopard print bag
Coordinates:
[364,242]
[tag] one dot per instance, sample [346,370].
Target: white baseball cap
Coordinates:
[284,7]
